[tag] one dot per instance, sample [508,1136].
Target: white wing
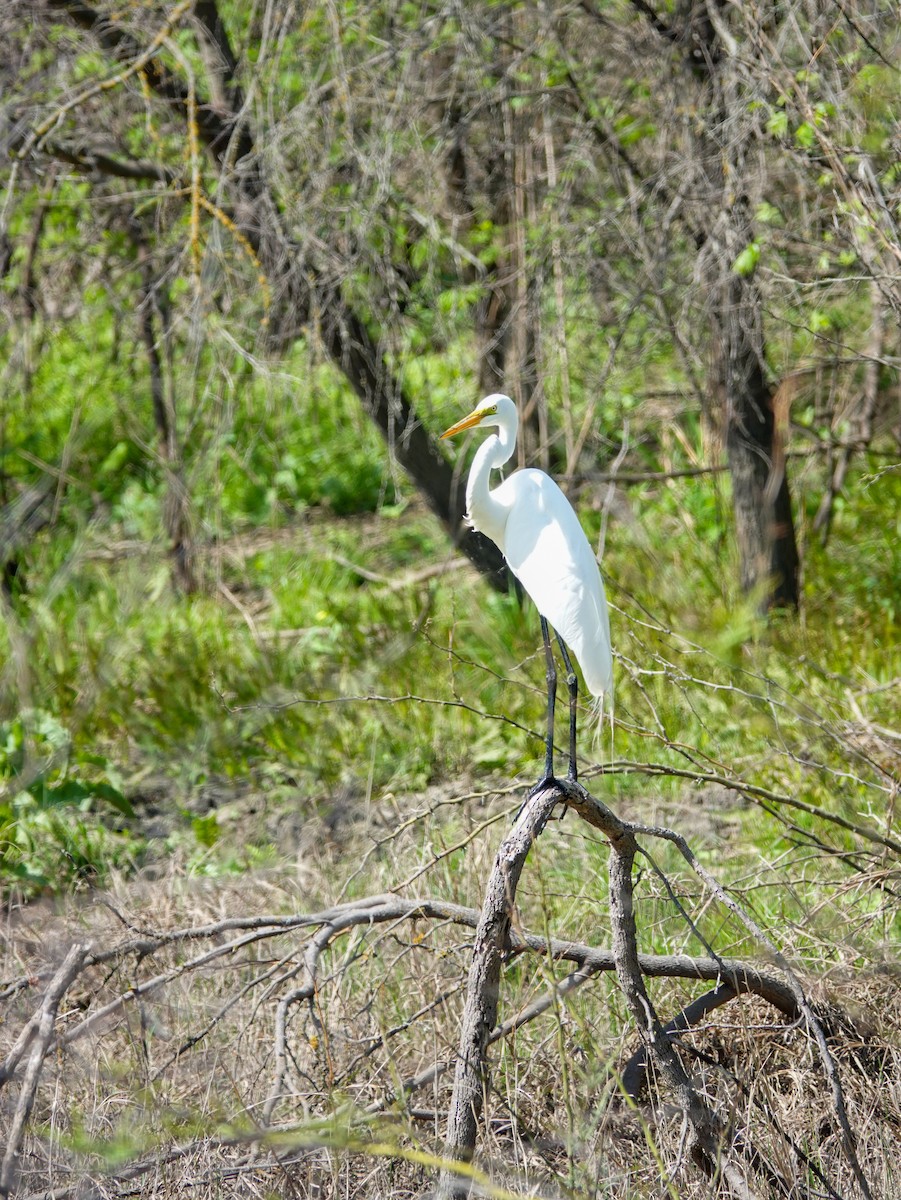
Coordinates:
[548,552]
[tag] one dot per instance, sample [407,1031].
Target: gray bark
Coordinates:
[480,1012]
[300,288]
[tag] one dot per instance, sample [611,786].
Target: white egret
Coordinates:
[536,529]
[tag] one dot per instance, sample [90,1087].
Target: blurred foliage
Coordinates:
[303,667]
[317,653]
[53,801]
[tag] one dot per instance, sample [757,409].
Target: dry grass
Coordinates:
[178,1088]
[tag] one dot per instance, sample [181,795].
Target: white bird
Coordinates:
[536,529]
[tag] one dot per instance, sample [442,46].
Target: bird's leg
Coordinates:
[572,684]
[551,699]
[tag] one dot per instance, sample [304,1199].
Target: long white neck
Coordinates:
[485,512]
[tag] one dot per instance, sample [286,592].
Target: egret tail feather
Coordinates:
[601,710]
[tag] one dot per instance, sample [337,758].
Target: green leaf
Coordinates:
[777,125]
[206,829]
[420,253]
[112,795]
[70,791]
[747,261]
[116,459]
[768,214]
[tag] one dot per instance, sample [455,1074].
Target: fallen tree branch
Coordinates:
[711,1142]
[387,907]
[710,1149]
[634,1074]
[39,1034]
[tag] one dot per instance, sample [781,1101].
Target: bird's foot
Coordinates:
[551,781]
[547,780]
[571,783]
[565,787]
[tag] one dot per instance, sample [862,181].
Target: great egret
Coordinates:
[537,531]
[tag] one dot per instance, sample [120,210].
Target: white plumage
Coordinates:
[536,529]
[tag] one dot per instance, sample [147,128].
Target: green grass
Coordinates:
[295,675]
[313,662]
[295,688]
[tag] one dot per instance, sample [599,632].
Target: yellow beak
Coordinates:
[467,423]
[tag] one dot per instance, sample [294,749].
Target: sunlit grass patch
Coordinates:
[317,650]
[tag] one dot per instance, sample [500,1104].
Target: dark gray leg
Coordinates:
[551,699]
[572,684]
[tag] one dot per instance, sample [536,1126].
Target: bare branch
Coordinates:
[39,1033]
[91,161]
[483,988]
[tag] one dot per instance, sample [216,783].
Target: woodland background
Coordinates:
[253,259]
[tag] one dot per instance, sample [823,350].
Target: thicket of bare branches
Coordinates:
[173,1035]
[211,1055]
[711,184]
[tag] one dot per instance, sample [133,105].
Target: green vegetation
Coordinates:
[252,260]
[314,658]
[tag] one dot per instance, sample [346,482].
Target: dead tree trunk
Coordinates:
[760,496]
[176,500]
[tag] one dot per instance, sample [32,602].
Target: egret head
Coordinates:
[495,409]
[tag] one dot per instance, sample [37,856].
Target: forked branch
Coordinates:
[712,1147]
